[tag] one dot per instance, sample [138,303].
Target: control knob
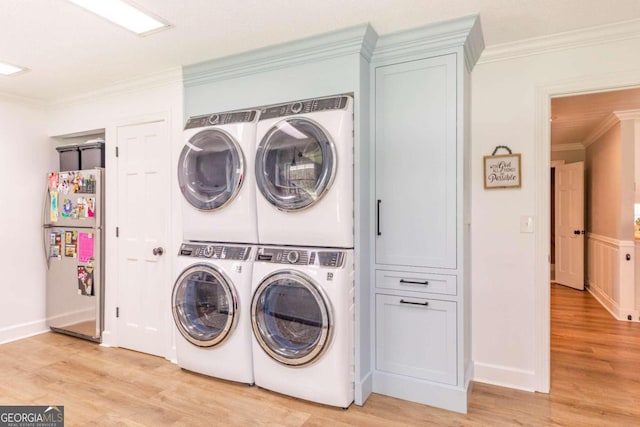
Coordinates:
[293,257]
[213,119]
[296,107]
[208,251]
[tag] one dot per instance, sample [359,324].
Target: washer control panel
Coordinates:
[322,258]
[300,107]
[204,250]
[221,119]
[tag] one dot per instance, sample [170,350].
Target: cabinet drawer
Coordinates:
[416,282]
[416,337]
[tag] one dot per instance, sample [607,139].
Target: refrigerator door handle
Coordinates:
[44,244]
[46,207]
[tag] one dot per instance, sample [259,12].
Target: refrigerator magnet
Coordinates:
[67,207]
[53,180]
[91,206]
[82,207]
[63,187]
[53,211]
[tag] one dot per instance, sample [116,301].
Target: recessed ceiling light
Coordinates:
[8,69]
[124,14]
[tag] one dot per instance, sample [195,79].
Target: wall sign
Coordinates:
[502,170]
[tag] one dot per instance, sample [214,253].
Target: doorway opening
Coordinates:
[597,133]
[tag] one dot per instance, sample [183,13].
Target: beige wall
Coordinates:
[603,176]
[571,156]
[627,179]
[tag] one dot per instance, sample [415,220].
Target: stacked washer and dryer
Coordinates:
[212,293]
[297,313]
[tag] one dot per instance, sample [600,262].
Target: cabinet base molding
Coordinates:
[363,389]
[424,392]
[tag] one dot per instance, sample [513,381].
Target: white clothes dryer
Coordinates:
[304,172]
[302,316]
[210,305]
[216,178]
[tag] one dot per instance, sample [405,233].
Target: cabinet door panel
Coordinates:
[416,340]
[415,137]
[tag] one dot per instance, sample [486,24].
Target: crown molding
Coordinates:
[627,115]
[601,34]
[24,100]
[463,32]
[567,147]
[610,121]
[355,40]
[162,78]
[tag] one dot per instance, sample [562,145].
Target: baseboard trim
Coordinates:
[107,339]
[24,330]
[503,376]
[425,392]
[612,307]
[363,389]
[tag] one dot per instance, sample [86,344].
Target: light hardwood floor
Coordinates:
[595,381]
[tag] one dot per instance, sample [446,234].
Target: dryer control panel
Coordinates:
[221,119]
[294,256]
[307,106]
[203,250]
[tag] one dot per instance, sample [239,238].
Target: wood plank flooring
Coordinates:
[595,382]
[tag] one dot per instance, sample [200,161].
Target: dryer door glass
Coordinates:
[204,306]
[291,318]
[210,169]
[295,164]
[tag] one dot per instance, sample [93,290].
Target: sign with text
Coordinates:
[502,171]
[32,416]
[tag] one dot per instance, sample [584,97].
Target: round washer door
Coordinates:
[205,305]
[210,169]
[291,318]
[295,164]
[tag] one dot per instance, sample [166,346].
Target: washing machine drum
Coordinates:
[295,164]
[291,318]
[210,169]
[205,305]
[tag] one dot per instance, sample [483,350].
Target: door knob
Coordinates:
[158,251]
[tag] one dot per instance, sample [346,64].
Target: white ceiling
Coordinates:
[70,51]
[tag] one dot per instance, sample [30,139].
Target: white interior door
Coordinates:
[144,229]
[569,218]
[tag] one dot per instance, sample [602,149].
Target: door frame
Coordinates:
[112,247]
[542,198]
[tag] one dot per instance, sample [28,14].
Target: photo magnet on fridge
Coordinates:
[85,280]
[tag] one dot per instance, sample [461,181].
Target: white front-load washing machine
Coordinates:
[304,173]
[210,305]
[216,178]
[302,316]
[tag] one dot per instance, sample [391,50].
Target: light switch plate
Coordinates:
[526,224]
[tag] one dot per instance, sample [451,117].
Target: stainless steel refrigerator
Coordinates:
[73,243]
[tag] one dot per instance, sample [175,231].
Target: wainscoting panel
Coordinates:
[610,276]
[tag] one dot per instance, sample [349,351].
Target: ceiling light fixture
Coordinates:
[124,14]
[8,69]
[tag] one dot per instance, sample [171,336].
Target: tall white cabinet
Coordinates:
[420,125]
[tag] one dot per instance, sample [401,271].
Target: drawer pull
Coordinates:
[415,282]
[426,303]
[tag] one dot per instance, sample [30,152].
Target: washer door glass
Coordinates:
[291,318]
[210,169]
[205,305]
[295,164]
